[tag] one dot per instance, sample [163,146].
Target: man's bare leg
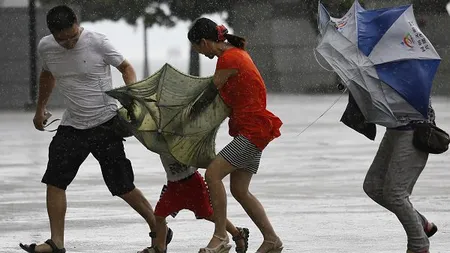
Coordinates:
[140,204]
[56,209]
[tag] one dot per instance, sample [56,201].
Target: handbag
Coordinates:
[430,138]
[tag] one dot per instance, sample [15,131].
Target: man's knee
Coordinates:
[123,192]
[120,180]
[372,191]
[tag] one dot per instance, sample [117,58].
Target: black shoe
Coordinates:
[243,235]
[431,229]
[169,235]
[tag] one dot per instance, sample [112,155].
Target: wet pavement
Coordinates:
[310,185]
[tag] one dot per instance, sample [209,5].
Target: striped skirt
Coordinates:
[242,154]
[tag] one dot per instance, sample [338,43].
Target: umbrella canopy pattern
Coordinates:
[384,59]
[174,114]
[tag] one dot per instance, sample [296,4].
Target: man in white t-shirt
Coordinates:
[78,61]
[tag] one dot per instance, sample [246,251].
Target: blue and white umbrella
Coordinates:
[384,60]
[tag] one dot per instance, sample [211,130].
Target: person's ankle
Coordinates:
[235,232]
[58,242]
[160,247]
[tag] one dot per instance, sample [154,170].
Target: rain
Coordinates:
[316,67]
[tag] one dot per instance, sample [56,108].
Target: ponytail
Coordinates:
[236,41]
[204,28]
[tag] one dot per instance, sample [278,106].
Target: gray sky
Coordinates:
[164,44]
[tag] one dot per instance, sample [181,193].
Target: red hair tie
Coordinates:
[221,31]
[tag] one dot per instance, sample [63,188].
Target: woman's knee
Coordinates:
[239,192]
[217,170]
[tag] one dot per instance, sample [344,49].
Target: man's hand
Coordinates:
[39,120]
[46,84]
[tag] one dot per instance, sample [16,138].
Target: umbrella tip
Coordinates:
[340,86]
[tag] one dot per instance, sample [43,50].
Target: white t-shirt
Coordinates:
[83,74]
[176,171]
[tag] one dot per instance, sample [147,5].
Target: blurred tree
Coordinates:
[337,8]
[129,10]
[429,6]
[189,10]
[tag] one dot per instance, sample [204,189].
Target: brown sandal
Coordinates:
[32,247]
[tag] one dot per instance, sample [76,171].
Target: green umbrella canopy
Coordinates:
[172,113]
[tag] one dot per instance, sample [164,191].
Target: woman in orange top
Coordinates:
[242,88]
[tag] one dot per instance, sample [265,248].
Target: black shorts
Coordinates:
[70,147]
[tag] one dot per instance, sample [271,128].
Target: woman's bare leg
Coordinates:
[239,183]
[232,230]
[216,171]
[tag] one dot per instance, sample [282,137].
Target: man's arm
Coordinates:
[128,74]
[46,85]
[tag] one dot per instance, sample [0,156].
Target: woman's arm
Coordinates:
[222,75]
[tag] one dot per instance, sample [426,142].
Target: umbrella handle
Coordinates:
[47,116]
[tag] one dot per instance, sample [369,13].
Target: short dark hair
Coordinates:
[205,28]
[60,18]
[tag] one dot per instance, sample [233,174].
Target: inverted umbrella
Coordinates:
[174,114]
[384,60]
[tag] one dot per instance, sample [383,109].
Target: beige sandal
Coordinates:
[223,247]
[275,248]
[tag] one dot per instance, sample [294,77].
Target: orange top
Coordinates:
[245,94]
